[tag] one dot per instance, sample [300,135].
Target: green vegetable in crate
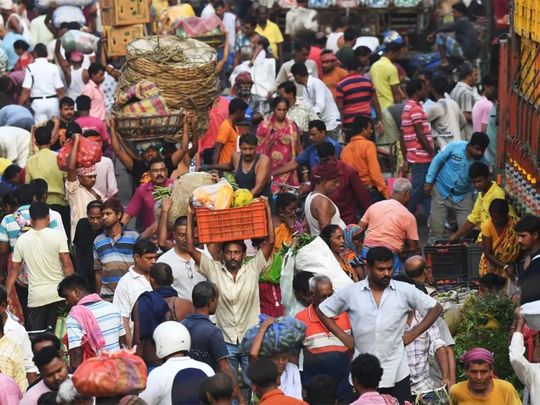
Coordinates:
[242,197]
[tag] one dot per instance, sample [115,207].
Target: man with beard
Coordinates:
[142,203]
[53,372]
[113,249]
[528,230]
[238,284]
[378,308]
[251,170]
[58,125]
[258,106]
[453,191]
[138,163]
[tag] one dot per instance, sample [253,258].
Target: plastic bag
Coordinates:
[75,40]
[285,333]
[531,313]
[111,374]
[217,196]
[67,14]
[88,155]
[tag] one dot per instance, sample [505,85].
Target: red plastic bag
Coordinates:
[111,374]
[88,155]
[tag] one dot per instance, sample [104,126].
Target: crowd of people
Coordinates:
[347,150]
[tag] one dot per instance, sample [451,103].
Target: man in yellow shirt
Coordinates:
[270,31]
[385,77]
[481,387]
[487,192]
[227,137]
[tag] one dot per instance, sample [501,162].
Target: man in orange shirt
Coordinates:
[227,137]
[332,74]
[264,382]
[361,154]
[324,353]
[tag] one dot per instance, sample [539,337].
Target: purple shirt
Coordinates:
[374,398]
[95,124]
[480,113]
[142,203]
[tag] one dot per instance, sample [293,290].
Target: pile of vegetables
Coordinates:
[486,323]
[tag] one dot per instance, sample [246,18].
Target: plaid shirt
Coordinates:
[418,353]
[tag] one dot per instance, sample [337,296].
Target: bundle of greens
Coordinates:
[486,323]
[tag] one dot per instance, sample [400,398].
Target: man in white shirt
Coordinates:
[320,97]
[46,256]
[185,271]
[17,333]
[43,85]
[178,379]
[378,308]
[446,118]
[465,95]
[134,283]
[301,52]
[300,19]
[14,144]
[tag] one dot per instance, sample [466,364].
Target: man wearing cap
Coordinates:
[79,185]
[258,106]
[481,386]
[42,85]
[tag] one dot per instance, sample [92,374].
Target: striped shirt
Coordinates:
[414,114]
[12,362]
[354,93]
[113,258]
[318,339]
[109,321]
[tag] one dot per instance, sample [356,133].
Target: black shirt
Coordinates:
[529,279]
[84,244]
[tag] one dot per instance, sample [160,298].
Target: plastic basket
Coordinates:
[474,253]
[447,261]
[216,226]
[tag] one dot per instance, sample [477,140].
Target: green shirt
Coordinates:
[42,165]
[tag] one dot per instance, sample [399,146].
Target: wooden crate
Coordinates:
[119,37]
[116,13]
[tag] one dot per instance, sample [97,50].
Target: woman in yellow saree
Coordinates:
[499,240]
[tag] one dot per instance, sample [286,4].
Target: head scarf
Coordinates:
[328,57]
[244,77]
[350,232]
[478,354]
[87,171]
[325,172]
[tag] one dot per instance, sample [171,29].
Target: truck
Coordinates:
[518,143]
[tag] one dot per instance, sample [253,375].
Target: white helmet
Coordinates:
[171,337]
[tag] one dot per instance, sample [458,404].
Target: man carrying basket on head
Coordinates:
[238,284]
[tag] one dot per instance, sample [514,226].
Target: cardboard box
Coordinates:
[116,13]
[119,37]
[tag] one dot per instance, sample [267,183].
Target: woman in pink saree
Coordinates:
[279,140]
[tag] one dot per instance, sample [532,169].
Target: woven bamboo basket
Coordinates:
[183,68]
[149,127]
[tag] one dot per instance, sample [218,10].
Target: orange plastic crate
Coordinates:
[216,226]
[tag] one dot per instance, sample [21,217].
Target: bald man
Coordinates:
[417,270]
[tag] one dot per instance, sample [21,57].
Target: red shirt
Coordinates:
[318,339]
[413,114]
[315,55]
[351,194]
